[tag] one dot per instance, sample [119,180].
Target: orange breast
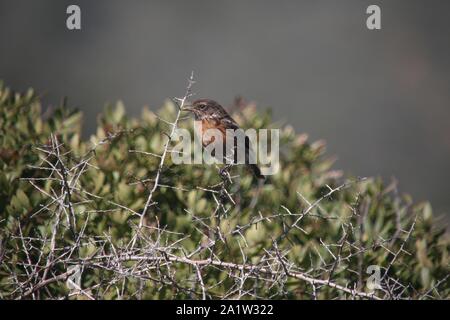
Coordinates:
[206,124]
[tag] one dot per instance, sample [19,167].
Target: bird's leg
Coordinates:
[223,172]
[225,175]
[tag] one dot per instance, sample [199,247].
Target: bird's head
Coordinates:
[203,108]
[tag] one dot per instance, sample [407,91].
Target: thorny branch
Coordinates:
[181,102]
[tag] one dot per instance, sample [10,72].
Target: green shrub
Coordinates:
[81,208]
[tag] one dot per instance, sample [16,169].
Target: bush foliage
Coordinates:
[308,232]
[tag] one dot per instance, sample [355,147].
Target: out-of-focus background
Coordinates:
[381,99]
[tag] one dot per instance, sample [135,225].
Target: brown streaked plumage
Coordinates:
[211,115]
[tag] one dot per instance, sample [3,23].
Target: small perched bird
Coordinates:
[211,115]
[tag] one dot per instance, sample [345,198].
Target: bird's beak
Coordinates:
[188,108]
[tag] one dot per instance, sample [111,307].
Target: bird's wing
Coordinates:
[229,122]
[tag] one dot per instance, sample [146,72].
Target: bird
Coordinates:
[209,114]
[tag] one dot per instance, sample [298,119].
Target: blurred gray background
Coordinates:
[380,99]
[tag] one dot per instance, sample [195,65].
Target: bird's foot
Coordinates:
[224,173]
